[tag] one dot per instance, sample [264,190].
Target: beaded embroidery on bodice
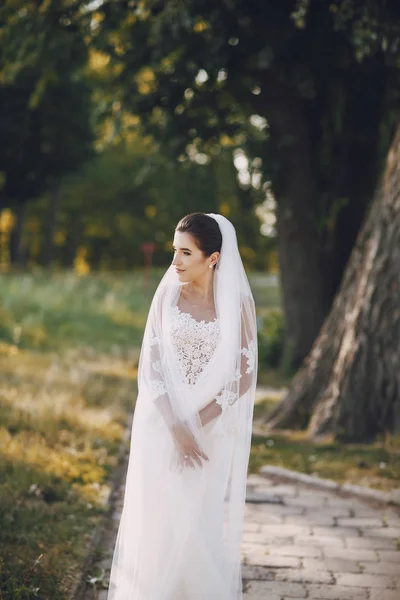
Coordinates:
[194,342]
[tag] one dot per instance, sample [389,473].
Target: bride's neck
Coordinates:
[203,289]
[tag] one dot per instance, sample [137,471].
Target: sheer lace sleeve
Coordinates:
[158,387]
[246,368]
[151,373]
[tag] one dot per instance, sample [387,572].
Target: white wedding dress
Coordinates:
[180,530]
[203,566]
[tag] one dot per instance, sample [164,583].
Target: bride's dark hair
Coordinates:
[205,231]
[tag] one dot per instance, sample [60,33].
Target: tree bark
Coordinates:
[16,251]
[305,302]
[73,239]
[54,205]
[349,384]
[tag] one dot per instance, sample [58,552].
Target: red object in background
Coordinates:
[148,249]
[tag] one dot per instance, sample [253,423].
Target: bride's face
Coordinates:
[189,261]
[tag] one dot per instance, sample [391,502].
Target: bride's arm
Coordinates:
[216,407]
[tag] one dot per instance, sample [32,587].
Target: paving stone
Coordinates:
[286,509]
[355,554]
[298,551]
[335,592]
[310,492]
[272,519]
[361,508]
[255,590]
[304,576]
[284,490]
[339,501]
[286,530]
[274,562]
[361,522]
[260,537]
[257,555]
[259,497]
[333,511]
[317,520]
[384,595]
[389,556]
[333,564]
[369,542]
[271,589]
[366,581]
[256,572]
[385,532]
[383,568]
[310,502]
[266,548]
[318,540]
[336,531]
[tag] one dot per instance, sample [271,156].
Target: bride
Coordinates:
[180,531]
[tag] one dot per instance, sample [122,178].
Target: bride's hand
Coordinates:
[187,446]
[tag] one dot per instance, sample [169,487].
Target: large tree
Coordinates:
[349,384]
[197,70]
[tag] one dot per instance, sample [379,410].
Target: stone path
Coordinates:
[303,542]
[317,544]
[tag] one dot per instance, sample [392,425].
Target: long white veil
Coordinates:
[180,531]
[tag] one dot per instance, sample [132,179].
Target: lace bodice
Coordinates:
[194,342]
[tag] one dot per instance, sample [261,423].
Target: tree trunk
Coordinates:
[54,205]
[16,254]
[305,302]
[73,239]
[349,384]
[355,160]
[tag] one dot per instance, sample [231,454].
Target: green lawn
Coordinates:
[68,356]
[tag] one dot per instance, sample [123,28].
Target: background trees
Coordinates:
[323,76]
[305,93]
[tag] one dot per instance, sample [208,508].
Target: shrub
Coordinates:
[270,339]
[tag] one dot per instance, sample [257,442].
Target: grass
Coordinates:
[68,356]
[374,465]
[65,310]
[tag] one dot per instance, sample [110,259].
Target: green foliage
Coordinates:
[130,193]
[41,143]
[271,339]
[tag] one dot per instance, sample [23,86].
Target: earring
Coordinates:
[210,266]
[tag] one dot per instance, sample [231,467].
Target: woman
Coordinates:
[180,531]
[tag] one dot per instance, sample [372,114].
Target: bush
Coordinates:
[270,339]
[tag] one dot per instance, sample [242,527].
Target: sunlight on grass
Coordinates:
[376,465]
[372,465]
[69,349]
